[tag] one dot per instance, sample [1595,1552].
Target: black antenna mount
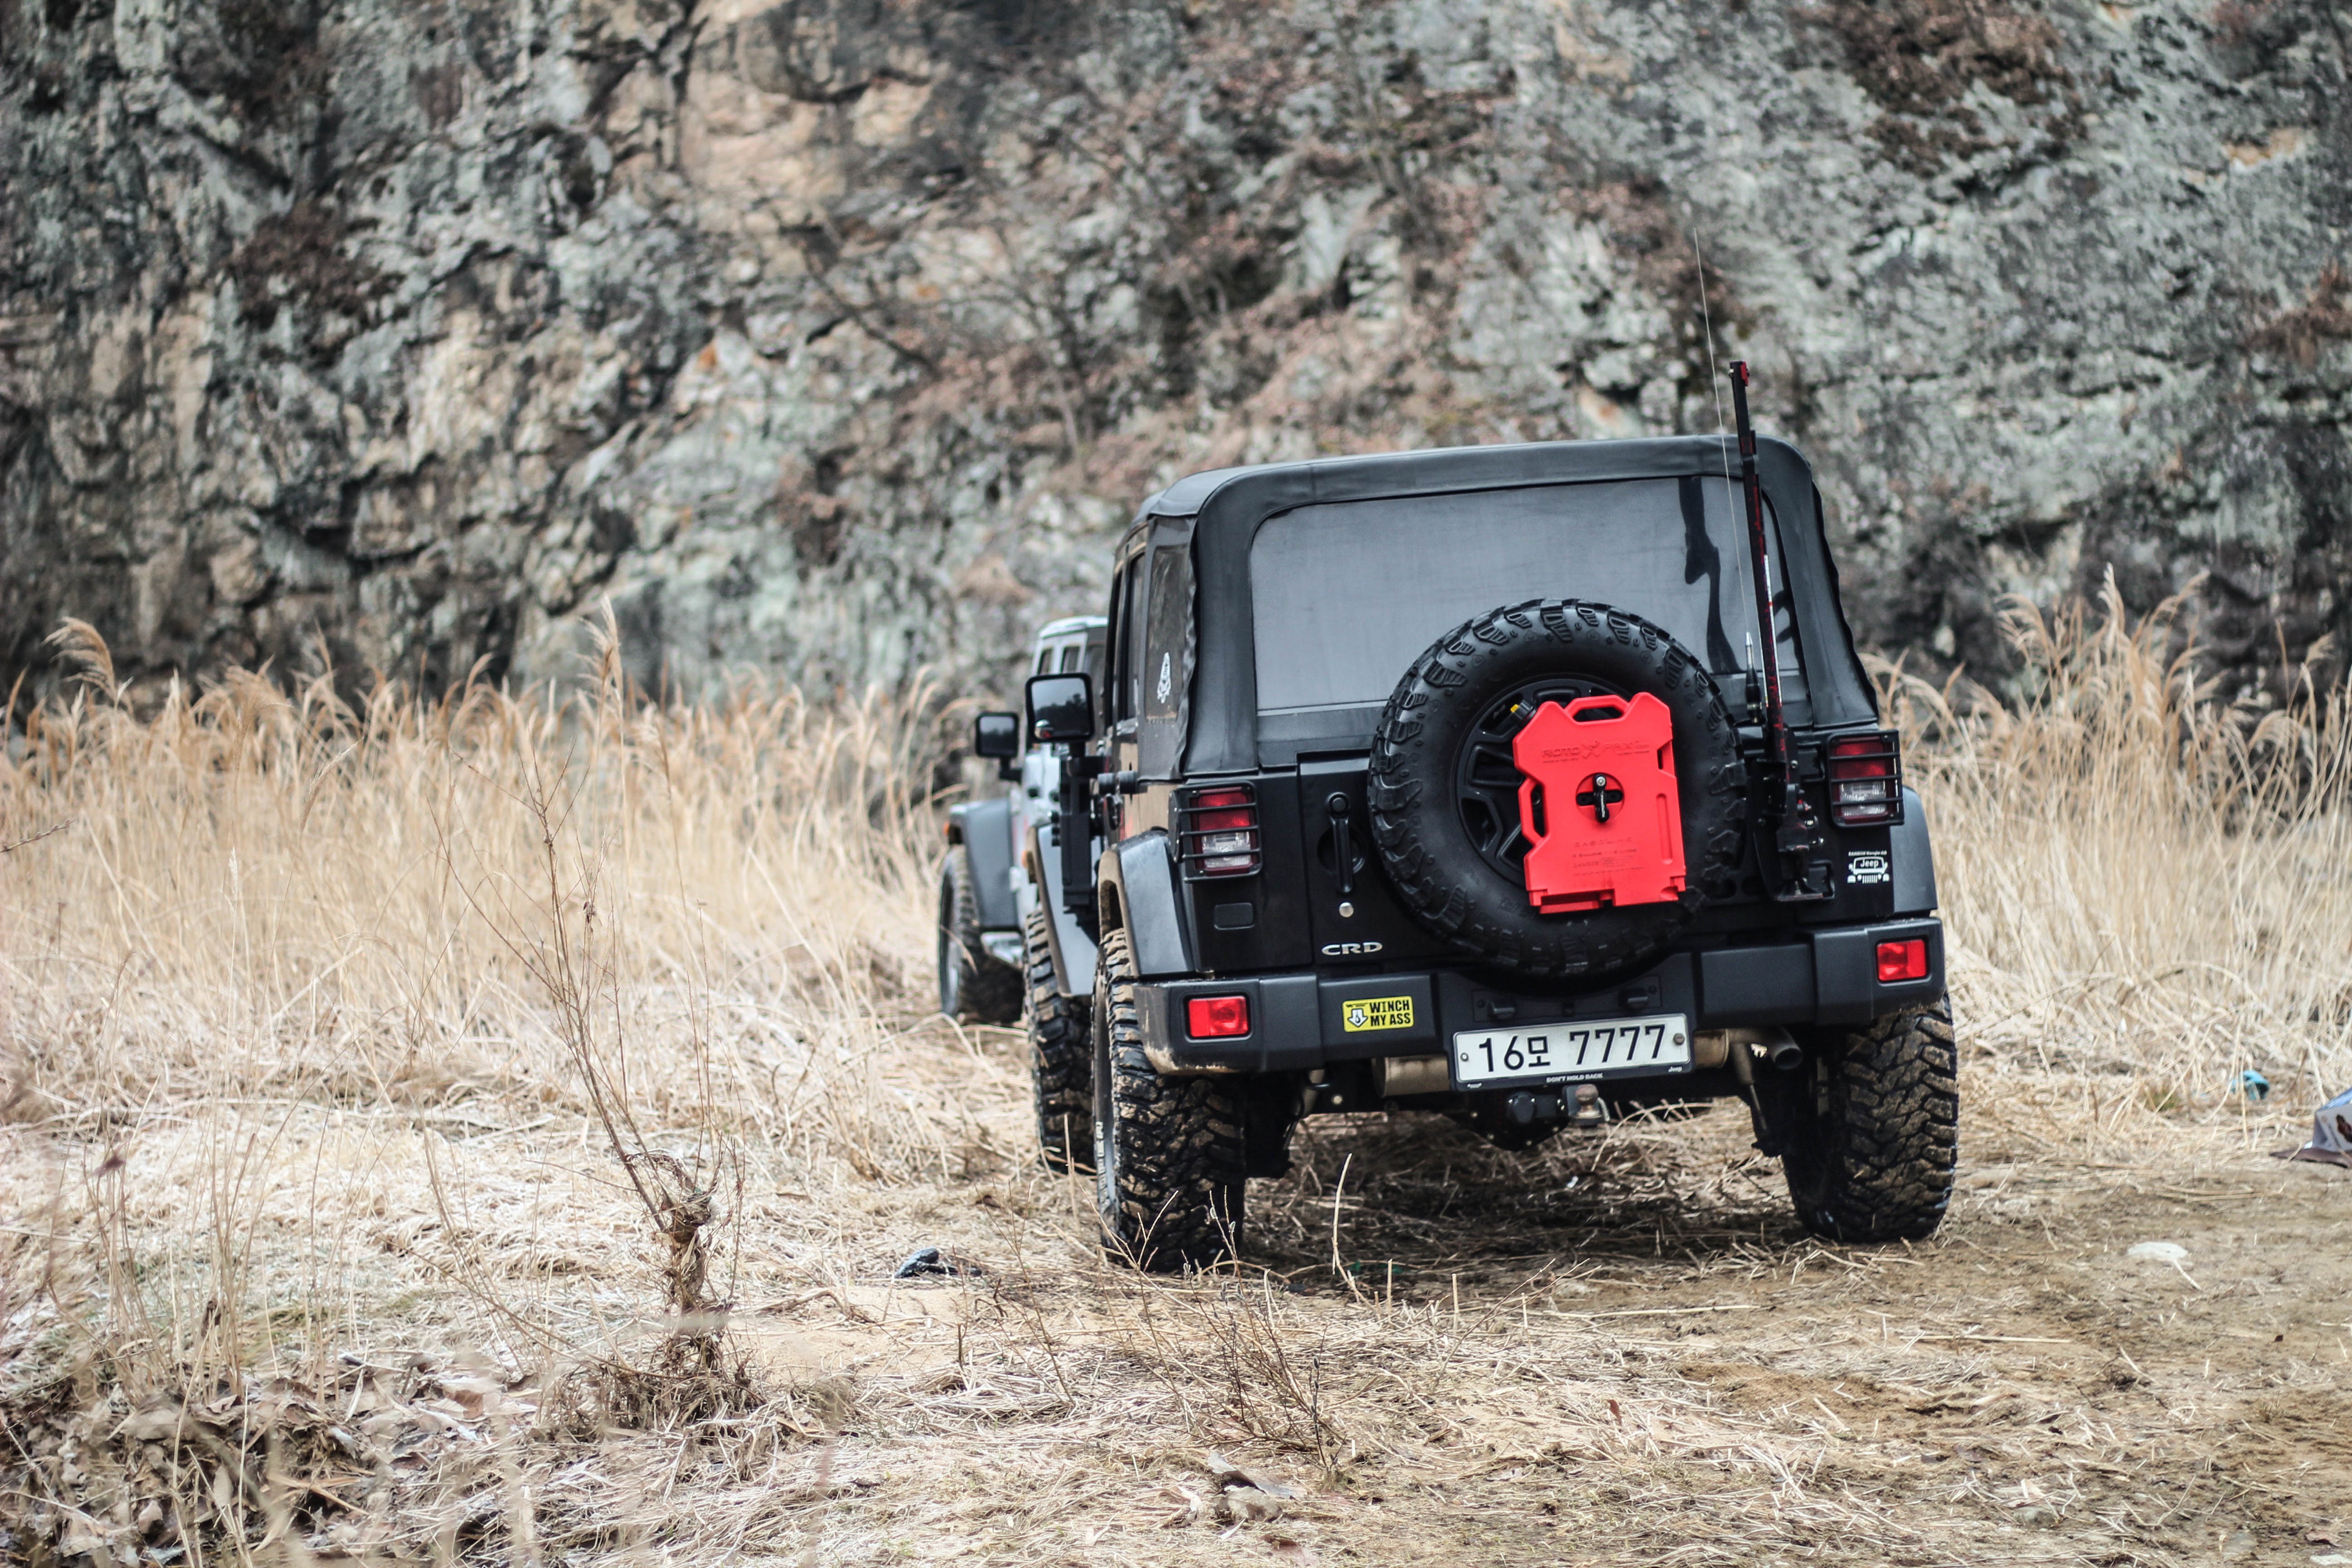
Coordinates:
[1796,839]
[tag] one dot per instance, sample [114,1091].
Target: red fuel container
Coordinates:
[1610,832]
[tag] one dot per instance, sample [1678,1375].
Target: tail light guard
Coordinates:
[1863,776]
[1218,831]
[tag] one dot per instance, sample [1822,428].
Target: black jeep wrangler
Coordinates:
[1532,784]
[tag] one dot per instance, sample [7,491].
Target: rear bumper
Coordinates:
[1303,1021]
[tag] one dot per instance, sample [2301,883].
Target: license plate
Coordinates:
[1572,1053]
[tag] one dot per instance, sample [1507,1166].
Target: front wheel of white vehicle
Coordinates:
[975,986]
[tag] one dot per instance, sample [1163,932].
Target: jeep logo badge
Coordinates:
[1350,949]
[1866,867]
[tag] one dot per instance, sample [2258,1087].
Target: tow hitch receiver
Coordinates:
[1606,830]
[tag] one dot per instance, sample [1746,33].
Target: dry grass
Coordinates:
[2143,886]
[486,1128]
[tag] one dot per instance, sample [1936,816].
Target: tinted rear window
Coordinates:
[1345,596]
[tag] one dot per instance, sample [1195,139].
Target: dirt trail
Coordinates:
[1626,1353]
[1617,1349]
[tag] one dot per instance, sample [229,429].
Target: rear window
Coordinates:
[1346,596]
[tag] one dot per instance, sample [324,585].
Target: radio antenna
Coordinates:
[1707,323]
[1794,831]
[1714,378]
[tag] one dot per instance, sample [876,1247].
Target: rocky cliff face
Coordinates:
[833,337]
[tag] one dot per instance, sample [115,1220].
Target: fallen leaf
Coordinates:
[1188,1509]
[153,1423]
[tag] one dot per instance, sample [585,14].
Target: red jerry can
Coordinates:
[1614,831]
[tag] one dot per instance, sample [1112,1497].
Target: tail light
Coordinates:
[1865,775]
[1899,960]
[1216,1017]
[1217,831]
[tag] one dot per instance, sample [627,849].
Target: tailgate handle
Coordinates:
[1343,849]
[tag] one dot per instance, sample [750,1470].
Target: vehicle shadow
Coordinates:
[1411,1194]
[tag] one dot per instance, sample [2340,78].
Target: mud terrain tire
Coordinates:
[1465,694]
[1170,1171]
[1870,1127]
[974,986]
[1061,1059]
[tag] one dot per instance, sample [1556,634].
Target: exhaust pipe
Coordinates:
[1738,1047]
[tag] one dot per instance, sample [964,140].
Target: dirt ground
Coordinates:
[1618,1351]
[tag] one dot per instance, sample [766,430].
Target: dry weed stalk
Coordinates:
[689,1376]
[1271,1396]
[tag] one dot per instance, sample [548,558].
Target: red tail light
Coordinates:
[1217,831]
[1898,960]
[1216,1017]
[1866,779]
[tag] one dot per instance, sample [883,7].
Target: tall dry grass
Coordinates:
[339,1033]
[253,893]
[270,961]
[2143,884]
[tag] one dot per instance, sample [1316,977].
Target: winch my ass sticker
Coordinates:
[1376,1013]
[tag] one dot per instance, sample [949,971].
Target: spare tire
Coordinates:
[1444,788]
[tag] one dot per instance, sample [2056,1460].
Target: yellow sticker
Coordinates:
[1376,1013]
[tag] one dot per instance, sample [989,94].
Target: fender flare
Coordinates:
[983,829]
[1915,859]
[1138,880]
[1072,952]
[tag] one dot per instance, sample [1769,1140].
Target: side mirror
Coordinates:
[1061,709]
[998,735]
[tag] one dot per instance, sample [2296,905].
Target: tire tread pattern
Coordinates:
[1171,1181]
[1061,1058]
[986,990]
[1872,1159]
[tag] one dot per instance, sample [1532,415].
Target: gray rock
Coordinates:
[832,338]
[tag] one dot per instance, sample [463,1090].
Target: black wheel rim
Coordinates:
[1486,780]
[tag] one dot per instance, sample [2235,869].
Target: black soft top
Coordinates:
[1223,509]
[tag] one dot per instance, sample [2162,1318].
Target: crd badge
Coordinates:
[1350,949]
